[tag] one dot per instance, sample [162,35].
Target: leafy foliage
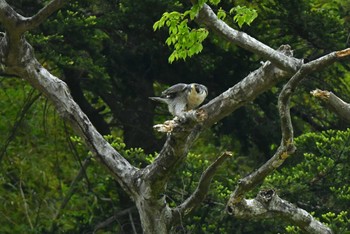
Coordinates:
[244,15]
[186,41]
[315,177]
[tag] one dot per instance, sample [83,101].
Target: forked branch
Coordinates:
[43,14]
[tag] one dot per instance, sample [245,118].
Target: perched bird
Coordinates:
[182,97]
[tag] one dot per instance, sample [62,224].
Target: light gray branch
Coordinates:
[245,91]
[57,92]
[15,23]
[268,204]
[207,17]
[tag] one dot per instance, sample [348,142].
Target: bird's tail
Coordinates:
[157,99]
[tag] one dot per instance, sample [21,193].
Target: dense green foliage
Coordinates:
[113,60]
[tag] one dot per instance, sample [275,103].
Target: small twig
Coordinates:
[28,103]
[25,205]
[111,219]
[72,187]
[132,223]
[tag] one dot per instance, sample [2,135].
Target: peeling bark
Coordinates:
[268,204]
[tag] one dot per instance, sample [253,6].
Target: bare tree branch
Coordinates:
[245,91]
[335,103]
[203,187]
[268,204]
[57,91]
[207,17]
[25,204]
[20,24]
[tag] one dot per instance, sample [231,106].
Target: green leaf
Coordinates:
[214,2]
[244,15]
[221,14]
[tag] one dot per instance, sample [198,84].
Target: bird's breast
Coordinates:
[194,99]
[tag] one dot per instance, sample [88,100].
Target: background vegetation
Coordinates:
[112,60]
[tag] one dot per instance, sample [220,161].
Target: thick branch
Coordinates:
[336,104]
[203,187]
[9,18]
[13,46]
[15,23]
[268,205]
[207,17]
[245,91]
[56,91]
[174,152]
[284,150]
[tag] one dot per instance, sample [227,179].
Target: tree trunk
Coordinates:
[155,215]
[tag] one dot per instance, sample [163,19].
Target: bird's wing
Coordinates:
[172,91]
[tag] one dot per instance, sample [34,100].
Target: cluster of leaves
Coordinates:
[58,48]
[188,41]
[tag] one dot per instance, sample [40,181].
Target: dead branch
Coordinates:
[335,104]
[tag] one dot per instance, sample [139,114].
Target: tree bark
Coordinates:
[268,204]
